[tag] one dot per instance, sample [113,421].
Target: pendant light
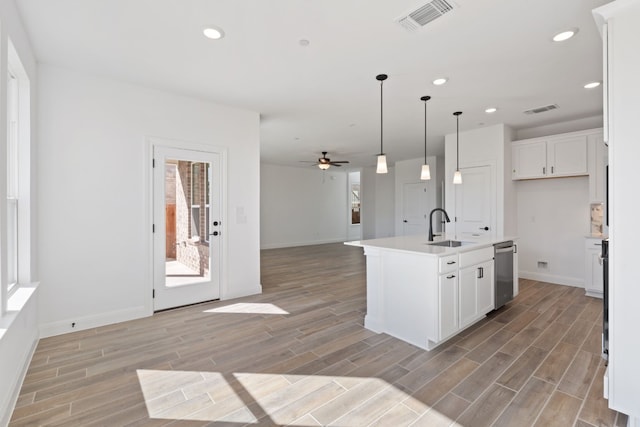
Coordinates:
[457,176]
[382,158]
[425,173]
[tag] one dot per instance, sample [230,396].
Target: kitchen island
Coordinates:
[424,293]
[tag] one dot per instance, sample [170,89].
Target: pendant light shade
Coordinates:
[382,158]
[425,173]
[457,176]
[382,164]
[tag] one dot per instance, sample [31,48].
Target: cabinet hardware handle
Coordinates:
[480,272]
[544,170]
[515,251]
[551,169]
[450,262]
[451,277]
[484,228]
[597,244]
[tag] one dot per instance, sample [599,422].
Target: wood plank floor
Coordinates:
[298,355]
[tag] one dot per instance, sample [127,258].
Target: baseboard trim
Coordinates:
[551,278]
[94,321]
[305,243]
[7,407]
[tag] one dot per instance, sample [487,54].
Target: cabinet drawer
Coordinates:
[593,244]
[476,257]
[448,264]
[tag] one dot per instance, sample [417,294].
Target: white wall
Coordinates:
[378,203]
[553,219]
[95,251]
[302,206]
[19,325]
[562,127]
[408,172]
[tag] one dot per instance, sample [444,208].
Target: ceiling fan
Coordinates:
[325,163]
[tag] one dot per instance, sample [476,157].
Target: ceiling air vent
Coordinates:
[539,110]
[424,14]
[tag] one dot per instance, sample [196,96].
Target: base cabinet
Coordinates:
[593,275]
[476,292]
[447,305]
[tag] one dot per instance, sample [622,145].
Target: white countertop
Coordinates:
[419,244]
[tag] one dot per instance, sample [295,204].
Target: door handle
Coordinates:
[484,228]
[215,233]
[451,276]
[404,220]
[216,223]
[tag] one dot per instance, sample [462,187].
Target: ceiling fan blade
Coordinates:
[335,164]
[340,161]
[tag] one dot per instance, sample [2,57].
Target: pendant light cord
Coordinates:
[425,131]
[381,83]
[458,143]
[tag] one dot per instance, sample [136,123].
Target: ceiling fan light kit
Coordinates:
[325,163]
[425,173]
[382,159]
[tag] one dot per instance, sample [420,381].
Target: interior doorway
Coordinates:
[187,226]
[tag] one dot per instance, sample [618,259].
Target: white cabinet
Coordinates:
[476,292]
[550,157]
[598,161]
[593,278]
[447,305]
[476,287]
[529,159]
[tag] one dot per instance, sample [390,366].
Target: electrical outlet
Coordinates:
[543,264]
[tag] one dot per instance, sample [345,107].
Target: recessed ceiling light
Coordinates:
[565,35]
[213,33]
[592,85]
[440,81]
[491,110]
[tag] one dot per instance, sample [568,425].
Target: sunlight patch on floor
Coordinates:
[283,399]
[249,308]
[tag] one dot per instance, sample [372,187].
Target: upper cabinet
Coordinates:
[552,156]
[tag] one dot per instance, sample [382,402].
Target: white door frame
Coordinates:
[151,143]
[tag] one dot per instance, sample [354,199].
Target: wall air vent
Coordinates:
[539,110]
[424,14]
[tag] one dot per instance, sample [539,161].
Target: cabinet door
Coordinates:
[567,156]
[477,292]
[529,160]
[485,288]
[593,280]
[447,305]
[468,295]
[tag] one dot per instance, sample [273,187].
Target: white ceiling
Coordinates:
[324,97]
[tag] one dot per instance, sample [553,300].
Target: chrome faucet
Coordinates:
[446,217]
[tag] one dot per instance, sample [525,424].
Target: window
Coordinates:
[355,204]
[200,175]
[15,203]
[12,182]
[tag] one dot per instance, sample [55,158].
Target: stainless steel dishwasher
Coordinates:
[503,258]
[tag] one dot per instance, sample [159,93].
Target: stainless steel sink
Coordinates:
[449,243]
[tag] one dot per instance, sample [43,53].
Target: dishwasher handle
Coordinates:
[505,250]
